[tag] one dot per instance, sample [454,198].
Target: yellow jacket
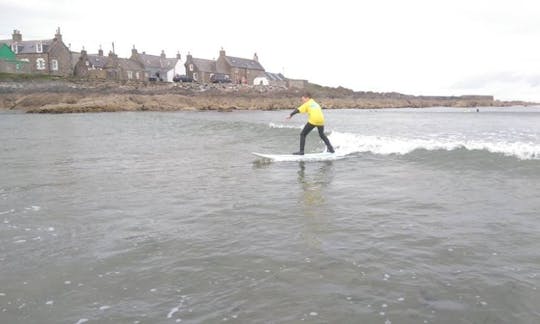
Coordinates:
[314,111]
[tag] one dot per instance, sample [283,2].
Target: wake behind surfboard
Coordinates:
[325,156]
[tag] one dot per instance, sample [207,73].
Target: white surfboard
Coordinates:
[324,156]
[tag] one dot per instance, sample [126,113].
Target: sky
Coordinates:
[415,47]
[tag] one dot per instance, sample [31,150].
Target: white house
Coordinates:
[159,67]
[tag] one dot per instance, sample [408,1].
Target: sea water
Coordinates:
[432,217]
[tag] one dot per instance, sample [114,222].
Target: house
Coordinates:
[200,70]
[273,79]
[130,70]
[159,68]
[111,67]
[240,70]
[91,66]
[9,62]
[48,56]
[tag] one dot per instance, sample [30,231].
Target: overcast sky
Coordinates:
[418,47]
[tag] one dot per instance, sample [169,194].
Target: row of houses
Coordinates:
[53,57]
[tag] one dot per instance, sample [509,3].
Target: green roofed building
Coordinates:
[6,53]
[9,62]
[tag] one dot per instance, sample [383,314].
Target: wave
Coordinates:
[272,125]
[349,143]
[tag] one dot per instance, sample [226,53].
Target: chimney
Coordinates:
[189,57]
[58,36]
[100,52]
[162,54]
[134,51]
[178,56]
[84,55]
[255,57]
[17,36]
[222,53]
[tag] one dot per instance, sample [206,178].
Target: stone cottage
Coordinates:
[159,68]
[198,69]
[47,56]
[240,70]
[91,66]
[111,67]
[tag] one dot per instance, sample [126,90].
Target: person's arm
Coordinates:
[296,111]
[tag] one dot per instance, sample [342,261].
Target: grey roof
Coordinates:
[243,63]
[128,64]
[275,76]
[98,61]
[29,47]
[204,65]
[157,62]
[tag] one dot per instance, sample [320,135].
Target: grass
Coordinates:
[27,77]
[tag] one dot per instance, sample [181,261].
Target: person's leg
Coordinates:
[308,128]
[325,139]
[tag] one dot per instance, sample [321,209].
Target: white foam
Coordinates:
[82,320]
[272,125]
[173,311]
[348,143]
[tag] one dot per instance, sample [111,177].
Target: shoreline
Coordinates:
[78,96]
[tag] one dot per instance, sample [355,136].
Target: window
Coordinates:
[54,65]
[196,76]
[137,75]
[15,48]
[191,67]
[39,48]
[130,75]
[40,64]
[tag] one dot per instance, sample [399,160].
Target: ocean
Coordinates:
[432,216]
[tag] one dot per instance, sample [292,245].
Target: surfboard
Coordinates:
[324,156]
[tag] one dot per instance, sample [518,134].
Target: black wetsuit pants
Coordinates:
[308,128]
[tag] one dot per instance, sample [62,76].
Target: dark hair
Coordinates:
[307,95]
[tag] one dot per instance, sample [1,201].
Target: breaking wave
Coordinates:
[349,143]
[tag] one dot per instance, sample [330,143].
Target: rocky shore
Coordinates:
[73,96]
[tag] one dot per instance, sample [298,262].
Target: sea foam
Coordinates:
[349,143]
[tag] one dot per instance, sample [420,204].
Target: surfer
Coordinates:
[315,119]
